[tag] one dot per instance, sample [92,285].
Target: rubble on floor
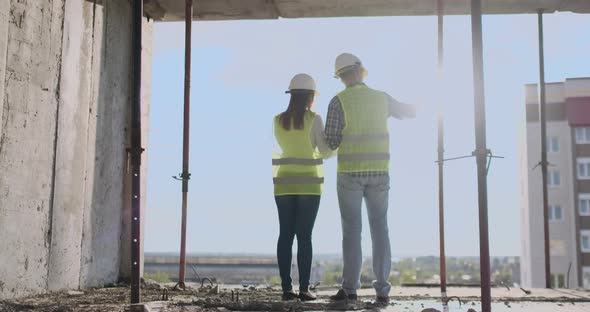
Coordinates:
[213,298]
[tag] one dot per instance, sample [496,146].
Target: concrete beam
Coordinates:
[173,10]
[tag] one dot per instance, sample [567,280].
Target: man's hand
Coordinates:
[410,110]
[401,110]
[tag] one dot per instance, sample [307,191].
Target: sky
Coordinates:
[240,70]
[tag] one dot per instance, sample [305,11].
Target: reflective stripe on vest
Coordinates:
[297,161]
[363,157]
[298,180]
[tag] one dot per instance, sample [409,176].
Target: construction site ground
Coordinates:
[250,298]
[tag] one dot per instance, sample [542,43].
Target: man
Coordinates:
[356,125]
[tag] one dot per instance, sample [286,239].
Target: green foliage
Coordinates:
[332,277]
[332,273]
[274,280]
[160,277]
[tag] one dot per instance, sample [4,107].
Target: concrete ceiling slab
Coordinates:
[173,10]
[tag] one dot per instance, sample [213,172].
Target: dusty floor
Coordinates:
[206,299]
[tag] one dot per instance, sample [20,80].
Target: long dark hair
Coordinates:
[298,105]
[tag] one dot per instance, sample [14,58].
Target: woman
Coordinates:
[298,179]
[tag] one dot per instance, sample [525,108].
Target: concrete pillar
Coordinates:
[106,243]
[27,143]
[4,15]
[64,112]
[72,137]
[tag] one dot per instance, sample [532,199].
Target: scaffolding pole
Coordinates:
[481,153]
[544,163]
[185,175]
[135,152]
[441,215]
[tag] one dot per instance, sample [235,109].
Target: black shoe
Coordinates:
[382,300]
[288,296]
[342,295]
[306,296]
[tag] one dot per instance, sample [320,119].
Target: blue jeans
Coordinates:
[375,191]
[297,215]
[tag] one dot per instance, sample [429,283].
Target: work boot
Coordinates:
[306,296]
[343,295]
[289,295]
[381,301]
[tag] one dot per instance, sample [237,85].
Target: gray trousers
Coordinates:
[375,190]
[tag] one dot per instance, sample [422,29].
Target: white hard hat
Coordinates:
[302,82]
[346,60]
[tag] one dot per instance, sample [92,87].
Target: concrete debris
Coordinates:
[151,284]
[140,307]
[116,299]
[75,293]
[214,290]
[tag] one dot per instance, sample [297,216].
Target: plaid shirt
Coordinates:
[335,123]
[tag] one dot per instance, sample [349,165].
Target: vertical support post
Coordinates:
[441,215]
[185,176]
[481,153]
[544,163]
[135,153]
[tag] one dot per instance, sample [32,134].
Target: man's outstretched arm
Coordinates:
[401,110]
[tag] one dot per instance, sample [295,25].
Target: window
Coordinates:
[584,204]
[583,168]
[552,144]
[553,177]
[555,213]
[557,280]
[585,240]
[583,135]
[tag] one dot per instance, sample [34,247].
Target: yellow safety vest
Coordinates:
[299,169]
[365,138]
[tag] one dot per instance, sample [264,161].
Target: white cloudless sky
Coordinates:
[240,70]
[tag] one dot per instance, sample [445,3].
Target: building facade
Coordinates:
[568,179]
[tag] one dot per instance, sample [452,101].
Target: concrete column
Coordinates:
[27,143]
[65,70]
[72,138]
[4,12]
[104,188]
[105,242]
[87,257]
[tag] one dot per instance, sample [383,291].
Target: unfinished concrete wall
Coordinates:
[72,139]
[27,143]
[65,70]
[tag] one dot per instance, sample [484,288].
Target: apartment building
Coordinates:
[568,153]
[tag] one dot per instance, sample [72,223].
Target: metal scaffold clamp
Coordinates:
[182,176]
[487,153]
[541,163]
[133,153]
